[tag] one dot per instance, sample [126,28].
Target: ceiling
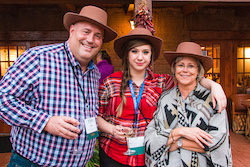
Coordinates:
[119,3]
[75,5]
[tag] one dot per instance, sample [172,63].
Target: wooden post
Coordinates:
[143,15]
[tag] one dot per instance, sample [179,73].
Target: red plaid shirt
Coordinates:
[109,94]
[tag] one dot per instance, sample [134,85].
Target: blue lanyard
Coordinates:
[138,99]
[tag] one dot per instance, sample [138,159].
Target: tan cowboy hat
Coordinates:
[93,15]
[138,33]
[189,49]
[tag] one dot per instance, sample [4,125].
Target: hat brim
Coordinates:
[206,61]
[71,18]
[155,41]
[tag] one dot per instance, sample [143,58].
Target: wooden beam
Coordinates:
[12,2]
[189,9]
[34,36]
[220,35]
[68,7]
[201,1]
[103,1]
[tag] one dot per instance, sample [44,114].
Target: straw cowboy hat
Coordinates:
[93,15]
[190,49]
[138,33]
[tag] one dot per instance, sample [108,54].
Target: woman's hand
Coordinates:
[195,134]
[218,95]
[120,132]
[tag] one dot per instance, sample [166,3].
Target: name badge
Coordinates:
[137,144]
[91,128]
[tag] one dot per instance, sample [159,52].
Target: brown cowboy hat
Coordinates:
[93,15]
[189,49]
[138,33]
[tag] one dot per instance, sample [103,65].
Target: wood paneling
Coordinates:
[4,159]
[220,35]
[4,128]
[34,36]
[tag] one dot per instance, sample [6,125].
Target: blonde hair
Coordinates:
[201,70]
[126,76]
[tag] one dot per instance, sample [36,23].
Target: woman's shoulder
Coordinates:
[161,78]
[170,93]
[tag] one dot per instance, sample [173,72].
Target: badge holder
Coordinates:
[136,145]
[91,128]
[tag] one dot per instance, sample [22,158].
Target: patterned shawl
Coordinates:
[195,111]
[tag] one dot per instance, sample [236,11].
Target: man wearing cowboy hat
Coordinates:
[50,95]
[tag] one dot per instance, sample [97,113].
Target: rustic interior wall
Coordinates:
[219,19]
[170,24]
[31,18]
[173,26]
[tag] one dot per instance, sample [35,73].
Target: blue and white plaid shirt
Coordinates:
[41,84]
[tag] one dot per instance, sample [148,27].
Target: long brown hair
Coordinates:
[126,76]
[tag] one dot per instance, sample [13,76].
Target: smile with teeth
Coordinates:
[185,75]
[90,47]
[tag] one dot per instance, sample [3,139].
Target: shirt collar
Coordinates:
[91,65]
[150,73]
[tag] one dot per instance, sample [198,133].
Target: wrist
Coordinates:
[111,129]
[215,84]
[178,132]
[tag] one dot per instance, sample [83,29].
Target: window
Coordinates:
[243,69]
[213,50]
[8,54]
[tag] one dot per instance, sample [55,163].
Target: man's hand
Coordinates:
[63,126]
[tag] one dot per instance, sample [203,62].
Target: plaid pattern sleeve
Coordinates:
[41,84]
[109,100]
[15,87]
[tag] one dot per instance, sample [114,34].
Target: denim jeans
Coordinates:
[18,161]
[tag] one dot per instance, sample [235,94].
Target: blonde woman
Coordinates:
[186,130]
